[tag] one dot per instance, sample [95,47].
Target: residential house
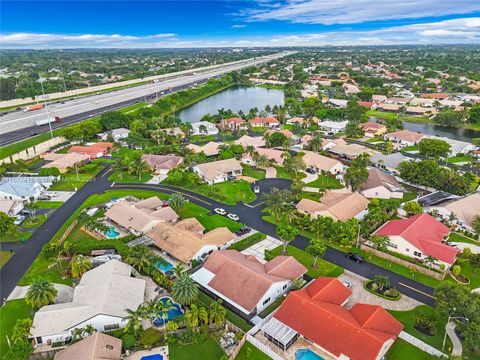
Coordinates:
[389,162]
[304,141]
[100,299]
[204,128]
[218,171]
[333,127]
[64,162]
[381,185]
[297,121]
[244,282]
[94,347]
[420,111]
[418,237]
[339,206]
[322,164]
[93,151]
[367,104]
[372,129]
[464,209]
[185,242]
[162,164]
[11,207]
[276,156]
[140,216]
[422,102]
[24,188]
[379,98]
[233,124]
[456,146]
[117,134]
[338,103]
[351,151]
[388,107]
[175,131]
[350,89]
[436,96]
[210,149]
[328,144]
[246,141]
[403,138]
[269,122]
[318,314]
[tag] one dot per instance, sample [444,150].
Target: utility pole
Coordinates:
[46,108]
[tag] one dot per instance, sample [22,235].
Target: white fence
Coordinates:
[265,349]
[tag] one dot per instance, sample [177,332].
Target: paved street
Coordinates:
[250,215]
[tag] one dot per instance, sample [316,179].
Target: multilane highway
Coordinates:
[16,126]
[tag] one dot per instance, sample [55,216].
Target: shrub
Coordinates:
[128,341]
[456,270]
[149,337]
[172,326]
[392,293]
[19,351]
[90,168]
[425,321]
[268,255]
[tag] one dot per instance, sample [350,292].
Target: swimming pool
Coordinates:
[171,314]
[307,354]
[164,266]
[111,232]
[152,357]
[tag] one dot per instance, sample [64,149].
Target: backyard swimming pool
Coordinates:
[171,314]
[152,357]
[111,232]
[163,267]
[307,354]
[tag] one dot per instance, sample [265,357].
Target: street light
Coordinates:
[46,108]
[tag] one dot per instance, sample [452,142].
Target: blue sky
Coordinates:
[69,24]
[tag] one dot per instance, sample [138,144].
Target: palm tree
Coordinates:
[202,129]
[476,224]
[89,329]
[77,333]
[389,147]
[452,217]
[178,269]
[315,144]
[120,166]
[80,265]
[163,308]
[195,316]
[138,167]
[176,201]
[262,161]
[140,257]
[430,260]
[288,214]
[40,293]
[21,330]
[134,319]
[184,290]
[382,281]
[216,312]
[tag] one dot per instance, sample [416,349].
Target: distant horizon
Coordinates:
[244,23]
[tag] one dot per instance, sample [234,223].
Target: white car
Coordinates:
[19,220]
[220,211]
[233,217]
[256,189]
[452,244]
[347,284]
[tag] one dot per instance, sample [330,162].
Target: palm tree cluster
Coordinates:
[278,202]
[142,258]
[197,316]
[132,163]
[91,223]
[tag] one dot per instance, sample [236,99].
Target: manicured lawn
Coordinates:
[25,144]
[258,129]
[21,236]
[253,172]
[248,241]
[402,350]
[325,182]
[125,177]
[311,195]
[409,196]
[324,268]
[456,237]
[461,158]
[43,268]
[468,271]
[208,349]
[255,354]
[409,148]
[272,307]
[233,318]
[123,152]
[34,223]
[4,257]
[209,221]
[9,313]
[201,138]
[40,204]
[282,174]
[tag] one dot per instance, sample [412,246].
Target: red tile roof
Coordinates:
[359,333]
[434,96]
[92,150]
[264,120]
[372,126]
[367,104]
[425,233]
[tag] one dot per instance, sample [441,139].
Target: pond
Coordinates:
[235,98]
[461,134]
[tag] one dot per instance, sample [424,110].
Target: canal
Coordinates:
[235,98]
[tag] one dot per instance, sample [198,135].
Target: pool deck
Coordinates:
[162,350]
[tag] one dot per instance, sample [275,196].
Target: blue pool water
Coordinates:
[152,357]
[162,267]
[111,232]
[171,314]
[307,354]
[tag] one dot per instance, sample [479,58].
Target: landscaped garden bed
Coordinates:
[380,286]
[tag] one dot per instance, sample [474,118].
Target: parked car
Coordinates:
[220,211]
[243,230]
[256,189]
[452,244]
[355,257]
[310,171]
[347,284]
[19,220]
[44,197]
[231,177]
[233,217]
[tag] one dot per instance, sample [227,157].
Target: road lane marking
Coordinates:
[254,206]
[106,173]
[421,292]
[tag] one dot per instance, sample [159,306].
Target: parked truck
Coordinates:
[33,107]
[48,120]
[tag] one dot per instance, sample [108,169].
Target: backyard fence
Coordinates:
[68,231]
[33,151]
[263,348]
[238,348]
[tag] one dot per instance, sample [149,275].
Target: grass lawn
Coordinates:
[461,158]
[45,269]
[325,182]
[132,108]
[125,177]
[456,237]
[123,152]
[209,221]
[282,174]
[21,236]
[25,144]
[255,354]
[468,271]
[201,138]
[324,268]
[410,148]
[34,223]
[208,349]
[409,196]
[402,350]
[4,257]
[253,172]
[248,241]
[258,129]
[41,204]
[233,318]
[271,308]
[9,313]
[311,195]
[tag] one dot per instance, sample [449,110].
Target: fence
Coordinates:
[407,264]
[263,348]
[68,231]
[34,151]
[238,348]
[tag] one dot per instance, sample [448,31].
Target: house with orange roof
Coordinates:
[244,282]
[233,124]
[372,129]
[269,122]
[318,314]
[94,151]
[438,96]
[403,138]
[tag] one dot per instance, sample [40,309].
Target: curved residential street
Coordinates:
[250,214]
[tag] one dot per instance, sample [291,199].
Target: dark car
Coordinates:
[355,257]
[243,230]
[310,171]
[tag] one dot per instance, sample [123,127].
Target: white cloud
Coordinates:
[356,11]
[238,26]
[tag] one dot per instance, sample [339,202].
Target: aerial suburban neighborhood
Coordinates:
[296,197]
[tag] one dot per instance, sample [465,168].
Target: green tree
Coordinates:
[21,330]
[40,293]
[162,309]
[352,130]
[381,281]
[434,148]
[474,114]
[140,257]
[316,248]
[412,208]
[286,233]
[196,315]
[134,321]
[216,312]
[476,224]
[80,265]
[357,173]
[113,120]
[184,290]
[380,242]
[176,201]
[7,227]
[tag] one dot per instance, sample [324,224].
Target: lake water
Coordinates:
[235,98]
[437,130]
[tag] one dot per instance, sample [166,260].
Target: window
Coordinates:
[266,301]
[392,245]
[416,253]
[111,327]
[285,286]
[407,250]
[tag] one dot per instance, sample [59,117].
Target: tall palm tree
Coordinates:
[21,330]
[178,269]
[262,161]
[176,201]
[315,144]
[138,167]
[250,150]
[216,312]
[195,315]
[140,257]
[184,290]
[120,166]
[77,333]
[40,293]
[134,319]
[80,265]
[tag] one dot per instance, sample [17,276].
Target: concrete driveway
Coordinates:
[475,248]
[64,293]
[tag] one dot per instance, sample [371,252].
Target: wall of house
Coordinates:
[275,291]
